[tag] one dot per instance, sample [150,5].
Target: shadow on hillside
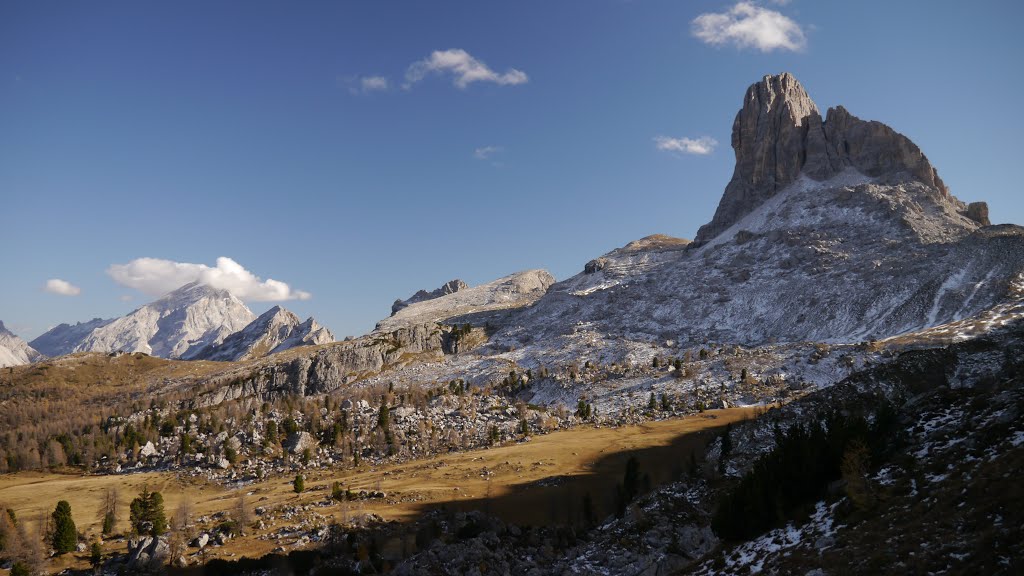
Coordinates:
[557,501]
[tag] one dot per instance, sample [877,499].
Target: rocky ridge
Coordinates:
[450,287]
[486,300]
[273,331]
[63,338]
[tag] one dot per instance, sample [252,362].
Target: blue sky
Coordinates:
[325,145]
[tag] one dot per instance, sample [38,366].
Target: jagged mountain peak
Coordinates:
[275,330]
[779,135]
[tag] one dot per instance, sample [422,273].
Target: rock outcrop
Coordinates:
[276,330]
[450,287]
[299,442]
[148,553]
[14,351]
[978,211]
[327,368]
[779,134]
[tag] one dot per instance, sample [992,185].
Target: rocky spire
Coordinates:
[779,134]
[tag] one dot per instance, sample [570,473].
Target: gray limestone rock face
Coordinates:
[450,287]
[779,135]
[769,138]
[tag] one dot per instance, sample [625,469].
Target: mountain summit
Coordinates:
[178,325]
[779,134]
[837,230]
[274,331]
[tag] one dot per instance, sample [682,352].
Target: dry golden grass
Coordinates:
[503,480]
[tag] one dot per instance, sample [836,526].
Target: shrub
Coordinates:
[299,484]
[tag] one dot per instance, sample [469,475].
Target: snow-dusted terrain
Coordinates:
[175,326]
[797,282]
[513,291]
[14,351]
[274,331]
[63,338]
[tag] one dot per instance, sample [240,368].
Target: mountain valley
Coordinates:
[842,311]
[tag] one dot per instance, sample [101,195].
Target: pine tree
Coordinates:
[147,513]
[299,484]
[96,554]
[65,536]
[631,480]
[384,416]
[726,448]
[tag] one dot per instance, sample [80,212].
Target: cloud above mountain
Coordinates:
[747,25]
[698,146]
[156,277]
[463,68]
[61,287]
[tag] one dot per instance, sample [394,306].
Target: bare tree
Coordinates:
[242,515]
[182,518]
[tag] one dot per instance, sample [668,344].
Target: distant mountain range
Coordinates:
[195,321]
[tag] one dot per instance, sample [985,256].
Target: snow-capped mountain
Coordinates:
[178,325]
[14,351]
[63,338]
[834,230]
[274,331]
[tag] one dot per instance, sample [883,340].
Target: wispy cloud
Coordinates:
[698,146]
[61,287]
[462,67]
[747,25]
[156,277]
[372,84]
[486,152]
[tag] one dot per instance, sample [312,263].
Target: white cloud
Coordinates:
[485,152]
[157,277]
[126,297]
[699,146]
[373,83]
[464,68]
[747,25]
[61,287]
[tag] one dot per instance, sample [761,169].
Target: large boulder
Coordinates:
[299,442]
[148,552]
